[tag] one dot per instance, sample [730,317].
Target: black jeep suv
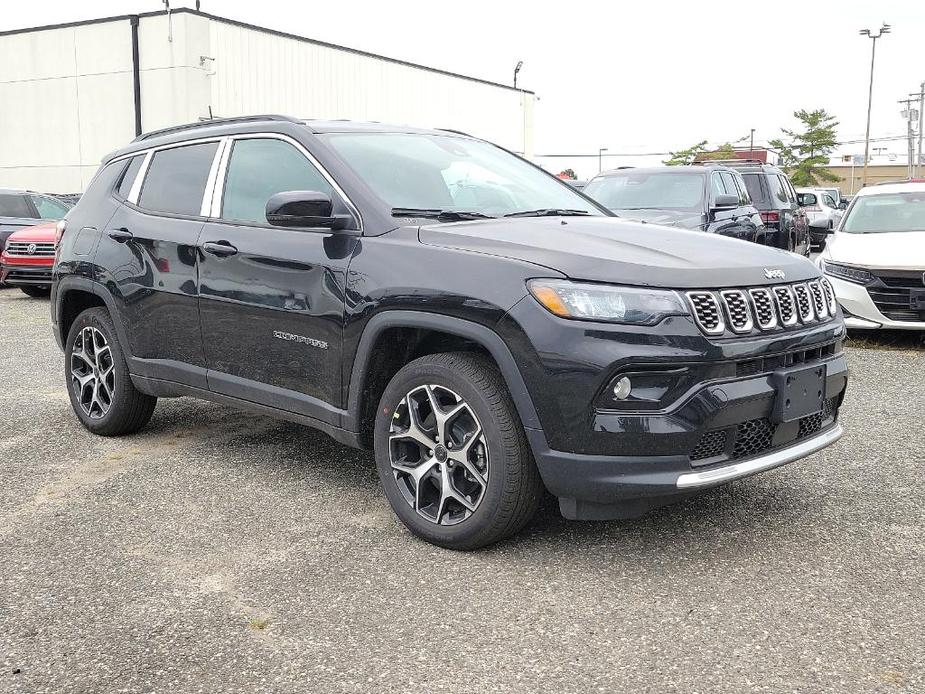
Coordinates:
[484,328]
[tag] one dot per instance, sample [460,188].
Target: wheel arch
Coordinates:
[74,295]
[363,390]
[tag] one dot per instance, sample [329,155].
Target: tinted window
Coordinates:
[15,205]
[756,187]
[785,188]
[717,184]
[128,178]
[777,188]
[176,179]
[260,168]
[730,184]
[648,191]
[48,208]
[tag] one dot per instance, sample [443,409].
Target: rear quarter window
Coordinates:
[176,179]
[756,187]
[15,205]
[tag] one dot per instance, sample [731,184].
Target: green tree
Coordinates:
[805,152]
[687,156]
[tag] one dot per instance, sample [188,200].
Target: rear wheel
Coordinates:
[451,452]
[36,291]
[99,385]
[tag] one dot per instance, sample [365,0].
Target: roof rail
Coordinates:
[455,132]
[732,162]
[215,121]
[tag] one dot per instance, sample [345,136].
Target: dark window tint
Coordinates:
[777,188]
[260,168]
[15,205]
[756,187]
[128,178]
[176,179]
[717,183]
[49,208]
[785,188]
[730,184]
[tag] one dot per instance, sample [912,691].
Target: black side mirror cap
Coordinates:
[304,208]
[725,201]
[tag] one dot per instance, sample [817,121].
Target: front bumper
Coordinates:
[19,275]
[862,313]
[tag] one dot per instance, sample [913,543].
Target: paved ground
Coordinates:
[224,552]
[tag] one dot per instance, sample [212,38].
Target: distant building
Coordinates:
[70,93]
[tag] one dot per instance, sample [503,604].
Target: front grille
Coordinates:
[712,444]
[764,308]
[765,315]
[786,305]
[804,303]
[800,357]
[753,437]
[29,249]
[19,276]
[893,294]
[706,311]
[756,437]
[737,310]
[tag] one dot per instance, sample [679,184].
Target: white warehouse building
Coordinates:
[70,93]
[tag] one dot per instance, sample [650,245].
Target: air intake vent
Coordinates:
[830,296]
[737,309]
[765,315]
[706,312]
[786,306]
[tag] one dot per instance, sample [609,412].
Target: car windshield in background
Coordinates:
[452,177]
[648,191]
[889,212]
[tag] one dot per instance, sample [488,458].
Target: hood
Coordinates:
[39,233]
[607,249]
[670,218]
[895,251]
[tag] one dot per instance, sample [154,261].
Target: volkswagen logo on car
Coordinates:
[30,249]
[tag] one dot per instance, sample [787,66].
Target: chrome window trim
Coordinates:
[219,191]
[135,190]
[149,153]
[208,195]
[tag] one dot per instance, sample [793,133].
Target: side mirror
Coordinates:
[304,208]
[725,201]
[821,223]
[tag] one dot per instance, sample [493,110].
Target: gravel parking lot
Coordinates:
[223,551]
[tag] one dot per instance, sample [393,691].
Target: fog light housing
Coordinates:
[622,388]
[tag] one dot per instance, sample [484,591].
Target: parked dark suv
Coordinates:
[484,328]
[773,194]
[707,198]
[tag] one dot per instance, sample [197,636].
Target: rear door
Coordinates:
[272,298]
[148,256]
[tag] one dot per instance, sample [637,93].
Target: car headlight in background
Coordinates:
[845,272]
[604,302]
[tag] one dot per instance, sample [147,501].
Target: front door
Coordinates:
[736,222]
[272,298]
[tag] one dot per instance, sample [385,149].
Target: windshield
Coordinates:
[410,171]
[888,212]
[648,191]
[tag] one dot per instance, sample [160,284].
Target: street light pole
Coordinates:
[517,67]
[600,158]
[885,29]
[919,162]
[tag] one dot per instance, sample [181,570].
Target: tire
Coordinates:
[504,488]
[94,336]
[36,292]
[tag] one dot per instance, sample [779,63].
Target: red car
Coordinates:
[28,259]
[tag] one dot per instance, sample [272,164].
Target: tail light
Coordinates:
[59,232]
[770,217]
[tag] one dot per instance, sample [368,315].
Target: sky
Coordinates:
[634,77]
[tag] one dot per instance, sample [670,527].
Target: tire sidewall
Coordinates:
[99,319]
[484,517]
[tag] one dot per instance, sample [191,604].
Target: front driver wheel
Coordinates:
[451,452]
[98,382]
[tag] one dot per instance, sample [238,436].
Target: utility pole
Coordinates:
[600,158]
[909,114]
[920,162]
[751,142]
[885,29]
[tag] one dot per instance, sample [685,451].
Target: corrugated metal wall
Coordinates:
[260,72]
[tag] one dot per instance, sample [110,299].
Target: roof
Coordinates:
[898,187]
[698,170]
[14,191]
[263,30]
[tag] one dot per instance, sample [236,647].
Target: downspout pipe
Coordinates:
[136,74]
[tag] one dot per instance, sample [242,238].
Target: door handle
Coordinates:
[219,248]
[121,235]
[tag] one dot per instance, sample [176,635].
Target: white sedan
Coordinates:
[876,258]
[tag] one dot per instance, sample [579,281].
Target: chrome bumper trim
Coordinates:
[765,462]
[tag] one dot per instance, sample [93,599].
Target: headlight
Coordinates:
[844,272]
[604,302]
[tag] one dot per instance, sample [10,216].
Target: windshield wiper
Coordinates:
[438,214]
[549,212]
